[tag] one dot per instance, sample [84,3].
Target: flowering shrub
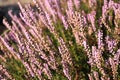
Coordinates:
[62,40]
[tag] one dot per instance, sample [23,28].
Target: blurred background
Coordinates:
[5,6]
[10,2]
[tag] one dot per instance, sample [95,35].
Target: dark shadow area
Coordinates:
[4,14]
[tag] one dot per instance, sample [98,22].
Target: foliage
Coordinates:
[52,40]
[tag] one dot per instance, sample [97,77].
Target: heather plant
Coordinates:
[62,40]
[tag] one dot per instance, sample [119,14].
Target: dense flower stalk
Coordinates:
[62,41]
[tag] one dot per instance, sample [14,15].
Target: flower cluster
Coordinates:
[62,41]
